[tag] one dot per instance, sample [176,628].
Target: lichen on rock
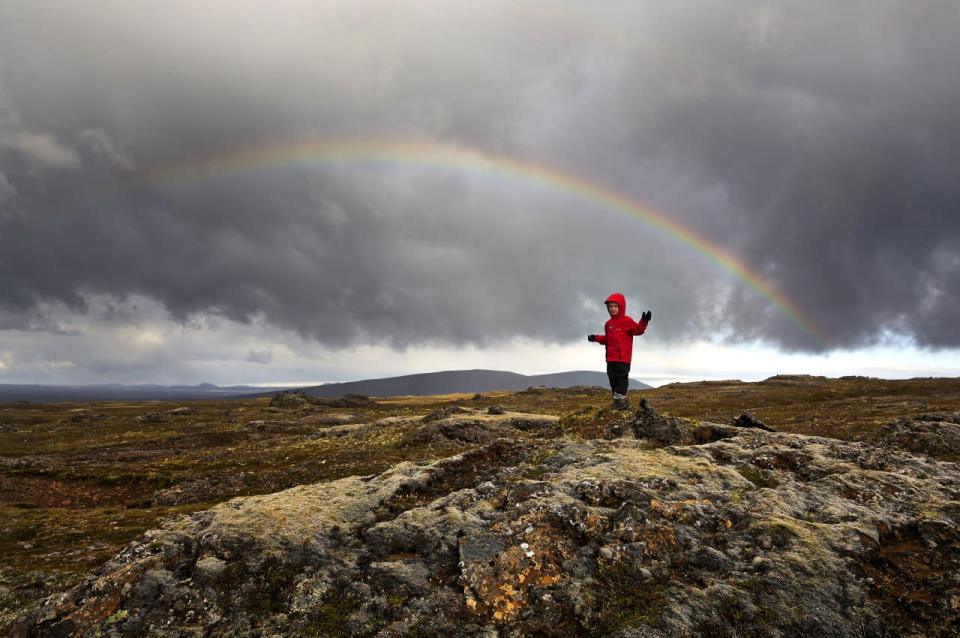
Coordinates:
[936,434]
[633,524]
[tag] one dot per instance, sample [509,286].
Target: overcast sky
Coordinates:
[816,143]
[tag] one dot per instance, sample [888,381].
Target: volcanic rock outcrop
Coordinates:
[668,528]
[936,434]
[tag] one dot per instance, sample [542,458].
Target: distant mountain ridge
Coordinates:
[461,382]
[119,392]
[427,383]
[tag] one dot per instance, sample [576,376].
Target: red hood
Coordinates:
[618,298]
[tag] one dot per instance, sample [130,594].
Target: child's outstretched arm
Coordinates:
[641,326]
[601,339]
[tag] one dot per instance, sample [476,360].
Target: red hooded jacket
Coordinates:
[619,332]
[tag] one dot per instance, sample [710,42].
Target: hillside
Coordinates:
[461,382]
[538,512]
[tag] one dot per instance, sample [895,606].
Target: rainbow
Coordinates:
[449,156]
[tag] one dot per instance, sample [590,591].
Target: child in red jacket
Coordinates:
[618,335]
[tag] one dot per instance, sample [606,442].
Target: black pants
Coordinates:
[619,374]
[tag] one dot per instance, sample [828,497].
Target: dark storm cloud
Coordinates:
[260,356]
[818,144]
[833,133]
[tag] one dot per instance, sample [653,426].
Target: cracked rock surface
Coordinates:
[675,528]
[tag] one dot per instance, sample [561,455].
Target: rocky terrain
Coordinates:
[539,513]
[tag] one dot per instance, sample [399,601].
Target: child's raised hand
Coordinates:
[647,316]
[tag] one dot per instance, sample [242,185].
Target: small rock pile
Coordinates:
[747,420]
[457,426]
[198,490]
[161,417]
[291,399]
[444,412]
[294,399]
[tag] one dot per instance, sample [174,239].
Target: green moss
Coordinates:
[733,616]
[270,588]
[624,600]
[541,456]
[46,550]
[117,617]
[532,468]
[330,618]
[737,494]
[591,422]
[534,474]
[760,478]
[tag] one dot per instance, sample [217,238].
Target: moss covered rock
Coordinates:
[677,528]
